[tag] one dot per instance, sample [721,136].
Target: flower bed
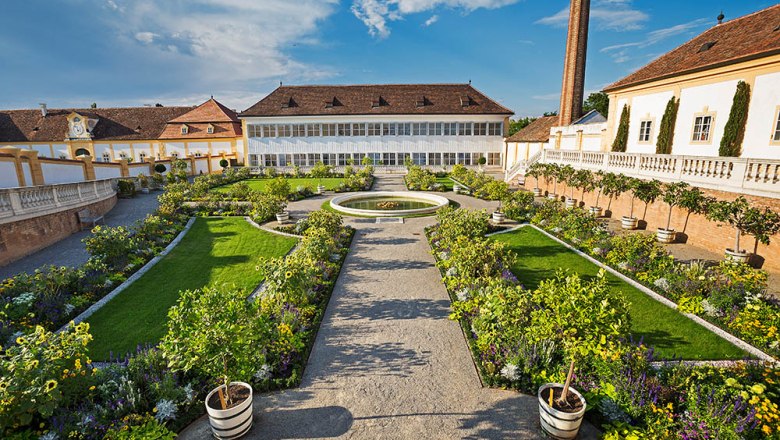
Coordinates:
[419,179]
[158,391]
[516,339]
[728,294]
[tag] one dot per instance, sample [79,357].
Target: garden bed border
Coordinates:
[130,280]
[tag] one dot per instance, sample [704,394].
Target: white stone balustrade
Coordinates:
[760,177]
[33,201]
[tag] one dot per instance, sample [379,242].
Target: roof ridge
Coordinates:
[372,85]
[85,110]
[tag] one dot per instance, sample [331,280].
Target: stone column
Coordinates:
[89,168]
[36,171]
[124,168]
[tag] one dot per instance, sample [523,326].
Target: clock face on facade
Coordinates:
[78,129]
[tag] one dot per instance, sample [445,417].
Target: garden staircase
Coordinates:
[515,176]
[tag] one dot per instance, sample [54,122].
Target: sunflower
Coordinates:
[288,275]
[51,384]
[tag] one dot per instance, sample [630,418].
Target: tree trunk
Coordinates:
[736,242]
[566,385]
[687,217]
[631,213]
[669,218]
[598,195]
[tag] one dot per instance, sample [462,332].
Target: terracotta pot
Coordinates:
[232,422]
[537,192]
[560,424]
[737,257]
[499,217]
[629,222]
[571,203]
[596,211]
[666,235]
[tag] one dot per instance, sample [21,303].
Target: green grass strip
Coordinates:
[330,183]
[670,332]
[215,251]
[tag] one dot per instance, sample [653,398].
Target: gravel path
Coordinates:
[387,362]
[71,251]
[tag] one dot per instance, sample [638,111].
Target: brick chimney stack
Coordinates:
[573,90]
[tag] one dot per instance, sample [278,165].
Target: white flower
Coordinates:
[557,230]
[69,308]
[576,240]
[51,435]
[335,257]
[108,283]
[26,299]
[709,309]
[189,393]
[510,372]
[451,272]
[264,372]
[444,255]
[542,222]
[463,295]
[774,345]
[597,250]
[662,283]
[623,265]
[166,410]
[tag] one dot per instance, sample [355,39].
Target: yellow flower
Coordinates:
[78,364]
[289,274]
[92,388]
[757,388]
[767,430]
[51,384]
[154,409]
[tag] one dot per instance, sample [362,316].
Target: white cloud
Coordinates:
[621,53]
[210,38]
[377,13]
[616,15]
[432,20]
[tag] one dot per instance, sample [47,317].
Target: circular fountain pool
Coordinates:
[388,203]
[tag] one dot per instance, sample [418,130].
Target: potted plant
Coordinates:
[481,162]
[320,188]
[598,182]
[157,181]
[143,181]
[218,334]
[693,201]
[644,190]
[672,196]
[614,186]
[582,180]
[535,171]
[586,318]
[224,164]
[744,219]
[551,173]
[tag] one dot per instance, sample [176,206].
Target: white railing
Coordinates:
[521,167]
[32,201]
[759,177]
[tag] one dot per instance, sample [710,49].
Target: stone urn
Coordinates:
[629,223]
[596,211]
[557,423]
[664,235]
[236,420]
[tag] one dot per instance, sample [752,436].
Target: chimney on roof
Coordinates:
[43,108]
[573,90]
[721,17]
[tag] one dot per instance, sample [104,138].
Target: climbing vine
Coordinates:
[621,140]
[666,131]
[731,144]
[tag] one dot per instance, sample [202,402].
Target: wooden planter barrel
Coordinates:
[233,422]
[560,424]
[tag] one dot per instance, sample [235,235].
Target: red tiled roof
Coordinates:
[380,99]
[211,113]
[133,123]
[536,131]
[751,36]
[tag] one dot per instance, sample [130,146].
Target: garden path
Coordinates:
[71,251]
[387,362]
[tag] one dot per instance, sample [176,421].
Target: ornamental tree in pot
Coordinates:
[481,162]
[762,224]
[629,221]
[562,174]
[615,185]
[599,182]
[535,171]
[217,333]
[586,318]
[745,219]
[672,196]
[582,180]
[224,163]
[693,201]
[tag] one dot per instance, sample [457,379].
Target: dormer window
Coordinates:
[707,46]
[289,103]
[185,129]
[138,129]
[332,103]
[422,101]
[465,101]
[378,102]
[210,129]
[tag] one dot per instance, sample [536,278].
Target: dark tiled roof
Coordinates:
[133,123]
[536,131]
[752,36]
[378,99]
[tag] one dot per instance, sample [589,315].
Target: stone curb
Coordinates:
[95,307]
[665,301]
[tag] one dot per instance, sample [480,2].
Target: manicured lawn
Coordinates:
[330,183]
[671,333]
[215,251]
[446,182]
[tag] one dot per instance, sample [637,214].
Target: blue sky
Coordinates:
[70,53]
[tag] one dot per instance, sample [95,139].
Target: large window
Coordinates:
[434,129]
[449,158]
[464,158]
[285,160]
[329,159]
[390,159]
[358,129]
[776,137]
[314,158]
[344,159]
[450,129]
[375,158]
[299,159]
[420,129]
[253,161]
[494,159]
[434,158]
[475,157]
[299,130]
[701,128]
[495,129]
[645,129]
[402,158]
[374,129]
[418,158]
[480,128]
[389,129]
[269,160]
[312,129]
[329,129]
[283,130]
[343,129]
[404,129]
[464,128]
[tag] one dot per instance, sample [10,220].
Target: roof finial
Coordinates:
[469,81]
[212,96]
[280,83]
[721,17]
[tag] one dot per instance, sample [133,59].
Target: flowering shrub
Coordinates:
[519,206]
[418,179]
[113,247]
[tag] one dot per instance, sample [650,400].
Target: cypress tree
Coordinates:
[666,131]
[731,144]
[621,140]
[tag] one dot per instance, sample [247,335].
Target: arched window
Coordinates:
[82,152]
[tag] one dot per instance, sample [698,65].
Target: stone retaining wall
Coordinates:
[22,238]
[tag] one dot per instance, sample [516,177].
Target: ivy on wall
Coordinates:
[666,131]
[621,139]
[731,144]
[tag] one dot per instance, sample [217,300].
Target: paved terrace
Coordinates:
[387,362]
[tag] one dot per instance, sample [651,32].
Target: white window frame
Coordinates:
[699,120]
[646,131]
